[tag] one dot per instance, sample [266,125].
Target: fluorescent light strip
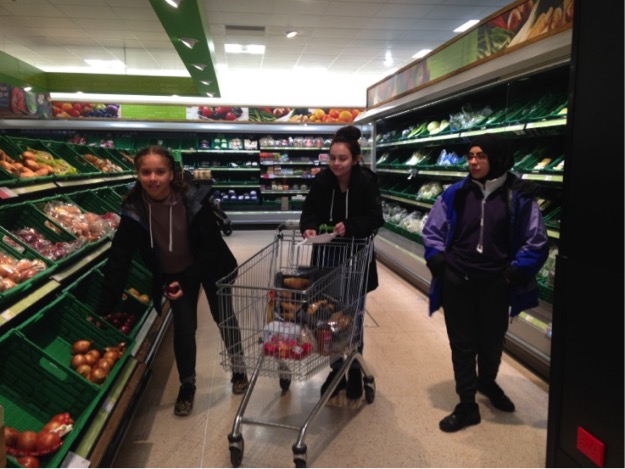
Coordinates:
[469,24]
[106,64]
[241,49]
[421,53]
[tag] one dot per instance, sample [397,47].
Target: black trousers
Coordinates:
[184,312]
[476,317]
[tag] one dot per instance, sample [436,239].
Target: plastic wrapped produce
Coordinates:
[429,191]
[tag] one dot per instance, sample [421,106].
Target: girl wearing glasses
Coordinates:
[485,240]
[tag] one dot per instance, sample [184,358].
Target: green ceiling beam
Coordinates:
[17,73]
[188,21]
[121,84]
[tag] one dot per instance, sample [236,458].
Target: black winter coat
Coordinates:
[362,216]
[210,252]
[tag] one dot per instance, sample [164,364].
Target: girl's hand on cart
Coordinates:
[339,229]
[309,233]
[173,291]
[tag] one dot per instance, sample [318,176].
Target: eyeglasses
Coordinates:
[480,156]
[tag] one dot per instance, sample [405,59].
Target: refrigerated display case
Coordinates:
[418,145]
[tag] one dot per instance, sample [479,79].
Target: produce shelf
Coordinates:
[57,326]
[34,387]
[88,288]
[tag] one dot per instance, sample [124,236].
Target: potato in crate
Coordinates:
[35,390]
[68,332]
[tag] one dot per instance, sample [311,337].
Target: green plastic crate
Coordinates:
[6,178]
[70,222]
[15,152]
[122,189]
[101,153]
[97,201]
[57,326]
[34,387]
[26,215]
[88,289]
[59,150]
[125,157]
[22,287]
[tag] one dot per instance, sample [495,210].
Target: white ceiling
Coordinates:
[349,38]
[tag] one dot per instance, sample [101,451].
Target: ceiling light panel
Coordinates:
[254,49]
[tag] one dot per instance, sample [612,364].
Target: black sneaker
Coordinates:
[184,402]
[239,383]
[354,384]
[464,414]
[342,384]
[497,397]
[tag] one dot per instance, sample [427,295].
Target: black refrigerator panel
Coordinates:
[585,426]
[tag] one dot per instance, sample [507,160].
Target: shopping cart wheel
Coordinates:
[236,449]
[299,455]
[285,383]
[236,456]
[369,389]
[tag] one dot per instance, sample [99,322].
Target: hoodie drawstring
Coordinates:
[170,227]
[150,222]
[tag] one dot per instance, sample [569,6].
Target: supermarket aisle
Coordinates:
[408,354]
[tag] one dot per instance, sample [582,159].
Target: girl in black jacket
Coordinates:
[173,227]
[346,196]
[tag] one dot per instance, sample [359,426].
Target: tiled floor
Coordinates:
[408,354]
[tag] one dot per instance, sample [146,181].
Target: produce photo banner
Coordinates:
[161,112]
[515,27]
[17,102]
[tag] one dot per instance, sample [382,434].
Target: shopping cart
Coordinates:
[297,305]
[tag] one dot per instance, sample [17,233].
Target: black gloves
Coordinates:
[437,264]
[514,276]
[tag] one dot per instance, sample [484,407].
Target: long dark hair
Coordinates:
[349,135]
[177,183]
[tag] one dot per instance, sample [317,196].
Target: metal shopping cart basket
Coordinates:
[291,308]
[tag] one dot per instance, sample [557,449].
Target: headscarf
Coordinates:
[496,149]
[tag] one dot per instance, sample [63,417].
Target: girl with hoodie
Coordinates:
[345,195]
[171,224]
[485,240]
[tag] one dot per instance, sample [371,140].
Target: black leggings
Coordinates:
[185,323]
[476,316]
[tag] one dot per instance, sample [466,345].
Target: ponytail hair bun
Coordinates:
[349,132]
[349,135]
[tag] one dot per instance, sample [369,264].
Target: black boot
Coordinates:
[342,384]
[354,384]
[465,414]
[184,401]
[496,395]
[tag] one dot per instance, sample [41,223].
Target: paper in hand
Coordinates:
[319,239]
